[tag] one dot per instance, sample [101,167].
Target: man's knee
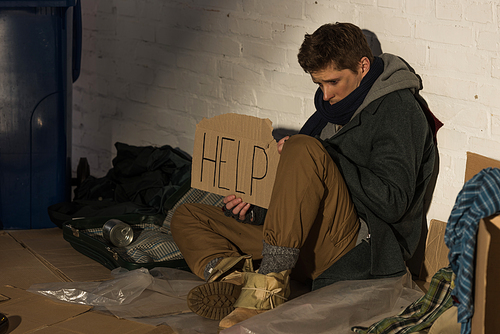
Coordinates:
[302,143]
[178,219]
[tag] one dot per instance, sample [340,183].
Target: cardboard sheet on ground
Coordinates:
[235,154]
[28,312]
[155,297]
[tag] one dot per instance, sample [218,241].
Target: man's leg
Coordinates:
[310,211]
[310,224]
[217,248]
[203,233]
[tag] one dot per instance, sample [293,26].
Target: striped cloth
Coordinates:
[479,198]
[422,313]
[151,246]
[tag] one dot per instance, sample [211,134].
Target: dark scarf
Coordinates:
[342,111]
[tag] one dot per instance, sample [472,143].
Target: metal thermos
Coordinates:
[117,232]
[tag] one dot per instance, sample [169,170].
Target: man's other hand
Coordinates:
[237,206]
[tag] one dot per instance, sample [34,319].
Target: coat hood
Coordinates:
[397,75]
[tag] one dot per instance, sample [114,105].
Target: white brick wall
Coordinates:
[152,69]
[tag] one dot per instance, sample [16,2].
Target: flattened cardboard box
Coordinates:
[28,312]
[42,256]
[487,275]
[436,253]
[235,154]
[486,317]
[31,313]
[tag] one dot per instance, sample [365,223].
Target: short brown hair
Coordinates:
[340,44]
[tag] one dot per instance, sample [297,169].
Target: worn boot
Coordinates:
[215,299]
[259,293]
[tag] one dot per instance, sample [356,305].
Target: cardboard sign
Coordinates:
[235,154]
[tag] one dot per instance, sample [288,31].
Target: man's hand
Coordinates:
[237,206]
[281,143]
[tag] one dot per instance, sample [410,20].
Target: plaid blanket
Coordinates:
[422,313]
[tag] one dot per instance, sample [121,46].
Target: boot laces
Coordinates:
[270,294]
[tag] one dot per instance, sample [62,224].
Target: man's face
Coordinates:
[336,84]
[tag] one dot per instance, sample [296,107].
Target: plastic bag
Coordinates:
[335,308]
[152,297]
[159,297]
[173,282]
[165,295]
[125,287]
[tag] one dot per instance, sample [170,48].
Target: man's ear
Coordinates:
[364,65]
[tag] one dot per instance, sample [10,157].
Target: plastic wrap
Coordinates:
[159,297]
[335,308]
[165,295]
[125,287]
[153,297]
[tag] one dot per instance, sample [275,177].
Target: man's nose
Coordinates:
[327,93]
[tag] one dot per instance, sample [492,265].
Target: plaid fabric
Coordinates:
[479,198]
[150,246]
[422,313]
[153,243]
[192,196]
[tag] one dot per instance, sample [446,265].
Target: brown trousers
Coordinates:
[310,209]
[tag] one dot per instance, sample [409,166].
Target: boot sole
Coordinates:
[213,300]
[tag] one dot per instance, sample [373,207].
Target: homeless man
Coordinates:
[347,202]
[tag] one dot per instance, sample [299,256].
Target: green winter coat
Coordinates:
[386,154]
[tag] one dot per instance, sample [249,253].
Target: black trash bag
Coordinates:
[142,180]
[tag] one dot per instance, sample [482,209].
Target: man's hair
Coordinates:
[340,44]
